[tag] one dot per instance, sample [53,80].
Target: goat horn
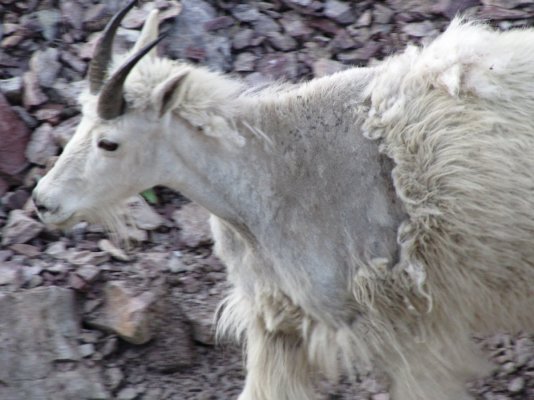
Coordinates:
[111,101]
[102,54]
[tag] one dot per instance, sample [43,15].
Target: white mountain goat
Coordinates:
[379,215]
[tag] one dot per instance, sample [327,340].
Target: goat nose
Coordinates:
[41,206]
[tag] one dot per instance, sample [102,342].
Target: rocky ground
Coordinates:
[83,319]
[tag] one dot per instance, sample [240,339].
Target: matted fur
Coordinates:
[304,215]
[457,118]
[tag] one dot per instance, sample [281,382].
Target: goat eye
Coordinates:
[107,145]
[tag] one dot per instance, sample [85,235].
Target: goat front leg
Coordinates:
[277,367]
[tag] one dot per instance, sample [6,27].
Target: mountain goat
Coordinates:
[379,215]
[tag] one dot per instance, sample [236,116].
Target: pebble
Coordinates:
[86,350]
[127,394]
[89,273]
[516,385]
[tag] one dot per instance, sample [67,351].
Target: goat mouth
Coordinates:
[58,220]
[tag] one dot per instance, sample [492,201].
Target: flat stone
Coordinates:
[243,38]
[49,20]
[50,113]
[245,12]
[42,146]
[217,23]
[324,67]
[278,66]
[10,272]
[45,64]
[516,385]
[82,257]
[33,95]
[12,88]
[86,350]
[63,132]
[42,345]
[114,377]
[57,250]
[14,137]
[96,17]
[265,25]
[339,11]
[295,26]
[245,62]
[15,200]
[72,13]
[420,29]
[127,393]
[126,314]
[189,39]
[20,228]
[89,273]
[382,14]
[282,42]
[25,249]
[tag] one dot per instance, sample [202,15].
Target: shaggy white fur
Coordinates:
[331,265]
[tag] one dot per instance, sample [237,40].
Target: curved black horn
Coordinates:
[111,101]
[102,54]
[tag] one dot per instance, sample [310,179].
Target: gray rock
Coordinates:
[279,66]
[15,200]
[420,29]
[68,92]
[245,62]
[325,67]
[243,38]
[72,13]
[86,350]
[516,385]
[49,20]
[172,347]
[245,12]
[25,249]
[339,11]
[33,95]
[265,25]
[96,17]
[364,19]
[42,146]
[114,377]
[10,272]
[295,26]
[188,38]
[281,42]
[12,88]
[128,393]
[382,14]
[39,356]
[20,228]
[89,273]
[192,219]
[81,257]
[57,250]
[63,132]
[45,64]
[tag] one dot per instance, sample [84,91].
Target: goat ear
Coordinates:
[148,34]
[166,95]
